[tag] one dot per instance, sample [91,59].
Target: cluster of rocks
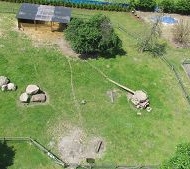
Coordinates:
[33,94]
[140,100]
[5,84]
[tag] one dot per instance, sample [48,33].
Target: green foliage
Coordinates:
[151,41]
[146,5]
[181,33]
[93,36]
[177,6]
[167,6]
[123,130]
[183,7]
[181,158]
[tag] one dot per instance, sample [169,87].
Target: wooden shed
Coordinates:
[46,13]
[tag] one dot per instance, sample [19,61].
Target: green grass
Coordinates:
[130,139]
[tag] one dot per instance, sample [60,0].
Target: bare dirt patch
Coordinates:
[75,147]
[43,36]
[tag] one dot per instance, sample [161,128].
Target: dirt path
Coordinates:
[43,36]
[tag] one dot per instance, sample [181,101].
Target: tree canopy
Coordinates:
[93,36]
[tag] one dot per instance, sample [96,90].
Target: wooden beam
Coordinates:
[35,25]
[51,26]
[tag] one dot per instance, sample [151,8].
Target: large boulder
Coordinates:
[38,98]
[11,86]
[32,89]
[3,80]
[24,98]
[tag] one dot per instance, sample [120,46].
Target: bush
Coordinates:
[146,5]
[181,33]
[183,7]
[181,158]
[93,36]
[167,6]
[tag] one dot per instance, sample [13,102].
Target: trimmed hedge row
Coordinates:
[67,3]
[168,6]
[179,6]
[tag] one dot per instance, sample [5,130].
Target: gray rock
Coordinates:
[4,87]
[3,80]
[11,86]
[24,98]
[38,97]
[32,89]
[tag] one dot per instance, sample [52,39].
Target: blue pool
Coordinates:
[166,19]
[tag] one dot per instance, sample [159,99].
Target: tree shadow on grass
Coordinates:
[7,154]
[105,55]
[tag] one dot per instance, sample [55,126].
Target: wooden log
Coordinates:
[98,147]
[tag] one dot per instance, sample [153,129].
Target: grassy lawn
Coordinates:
[130,139]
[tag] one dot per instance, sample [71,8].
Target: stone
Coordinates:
[4,87]
[32,89]
[11,86]
[38,97]
[140,96]
[83,102]
[24,98]
[3,80]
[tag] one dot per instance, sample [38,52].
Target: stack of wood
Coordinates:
[140,99]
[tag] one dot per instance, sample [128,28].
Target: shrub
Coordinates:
[181,33]
[93,36]
[183,7]
[146,5]
[181,158]
[167,6]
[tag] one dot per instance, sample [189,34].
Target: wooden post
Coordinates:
[35,25]
[19,25]
[51,26]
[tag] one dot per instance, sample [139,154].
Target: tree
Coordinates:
[151,41]
[146,5]
[93,36]
[167,6]
[181,158]
[183,7]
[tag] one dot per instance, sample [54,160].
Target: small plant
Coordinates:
[181,33]
[181,158]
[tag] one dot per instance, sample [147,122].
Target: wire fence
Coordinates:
[63,164]
[168,63]
[38,146]
[56,158]
[172,67]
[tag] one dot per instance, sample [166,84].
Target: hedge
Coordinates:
[109,6]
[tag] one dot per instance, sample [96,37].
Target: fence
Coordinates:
[177,77]
[167,63]
[64,164]
[37,145]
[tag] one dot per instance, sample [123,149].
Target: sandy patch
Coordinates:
[75,147]
[43,36]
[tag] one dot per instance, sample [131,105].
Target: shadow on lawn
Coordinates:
[105,55]
[7,155]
